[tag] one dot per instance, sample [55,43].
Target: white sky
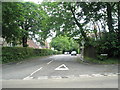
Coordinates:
[35,1]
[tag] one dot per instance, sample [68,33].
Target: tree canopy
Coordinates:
[22,20]
[97,23]
[64,43]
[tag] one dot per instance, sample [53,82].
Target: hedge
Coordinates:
[12,54]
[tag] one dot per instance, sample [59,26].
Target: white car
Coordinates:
[74,53]
[66,52]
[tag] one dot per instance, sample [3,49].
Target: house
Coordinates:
[47,45]
[32,44]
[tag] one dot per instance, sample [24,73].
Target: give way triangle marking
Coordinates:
[62,67]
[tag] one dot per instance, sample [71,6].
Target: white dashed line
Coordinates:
[28,78]
[56,77]
[84,75]
[97,75]
[111,74]
[72,76]
[43,77]
[50,62]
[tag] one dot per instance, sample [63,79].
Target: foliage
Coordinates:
[10,29]
[13,54]
[60,17]
[64,43]
[109,44]
[90,21]
[94,22]
[22,20]
[105,61]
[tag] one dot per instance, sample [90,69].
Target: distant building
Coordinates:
[47,45]
[32,44]
[3,42]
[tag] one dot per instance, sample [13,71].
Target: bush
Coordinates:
[108,44]
[98,61]
[100,57]
[12,54]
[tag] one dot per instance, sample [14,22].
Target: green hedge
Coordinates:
[12,54]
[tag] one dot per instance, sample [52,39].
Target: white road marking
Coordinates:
[29,77]
[112,74]
[56,77]
[50,62]
[73,76]
[62,67]
[36,71]
[97,75]
[43,77]
[84,75]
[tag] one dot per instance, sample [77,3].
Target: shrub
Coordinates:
[12,54]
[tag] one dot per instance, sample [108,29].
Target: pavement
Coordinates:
[59,71]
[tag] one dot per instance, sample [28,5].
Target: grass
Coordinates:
[106,61]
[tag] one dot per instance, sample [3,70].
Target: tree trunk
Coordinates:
[109,18]
[95,31]
[25,36]
[79,25]
[24,41]
[99,30]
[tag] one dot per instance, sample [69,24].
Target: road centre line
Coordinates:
[29,77]
[36,71]
[50,62]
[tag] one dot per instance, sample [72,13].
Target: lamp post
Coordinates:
[82,53]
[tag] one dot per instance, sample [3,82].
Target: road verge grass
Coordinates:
[105,61]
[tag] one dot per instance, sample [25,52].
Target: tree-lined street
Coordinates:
[60,44]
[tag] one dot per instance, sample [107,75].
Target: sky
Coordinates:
[35,1]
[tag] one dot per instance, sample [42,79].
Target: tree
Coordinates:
[86,18]
[10,29]
[64,43]
[31,20]
[22,20]
[60,18]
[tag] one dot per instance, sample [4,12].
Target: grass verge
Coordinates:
[106,61]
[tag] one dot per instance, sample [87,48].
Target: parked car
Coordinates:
[74,53]
[66,52]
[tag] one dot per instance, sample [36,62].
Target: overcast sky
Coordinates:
[36,1]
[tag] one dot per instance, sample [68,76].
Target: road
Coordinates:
[59,71]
